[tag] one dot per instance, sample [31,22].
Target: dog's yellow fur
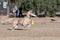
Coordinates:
[26,21]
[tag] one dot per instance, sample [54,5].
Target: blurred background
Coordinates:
[42,8]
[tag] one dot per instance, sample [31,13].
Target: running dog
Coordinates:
[26,21]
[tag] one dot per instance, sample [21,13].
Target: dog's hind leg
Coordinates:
[15,24]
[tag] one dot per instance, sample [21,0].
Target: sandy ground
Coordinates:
[43,29]
[38,31]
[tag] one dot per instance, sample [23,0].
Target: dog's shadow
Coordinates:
[16,29]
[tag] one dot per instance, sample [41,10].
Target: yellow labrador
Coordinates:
[26,21]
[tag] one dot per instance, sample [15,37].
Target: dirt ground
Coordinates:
[38,31]
[42,29]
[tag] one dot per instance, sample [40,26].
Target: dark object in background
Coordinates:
[53,20]
[43,15]
[19,12]
[13,1]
